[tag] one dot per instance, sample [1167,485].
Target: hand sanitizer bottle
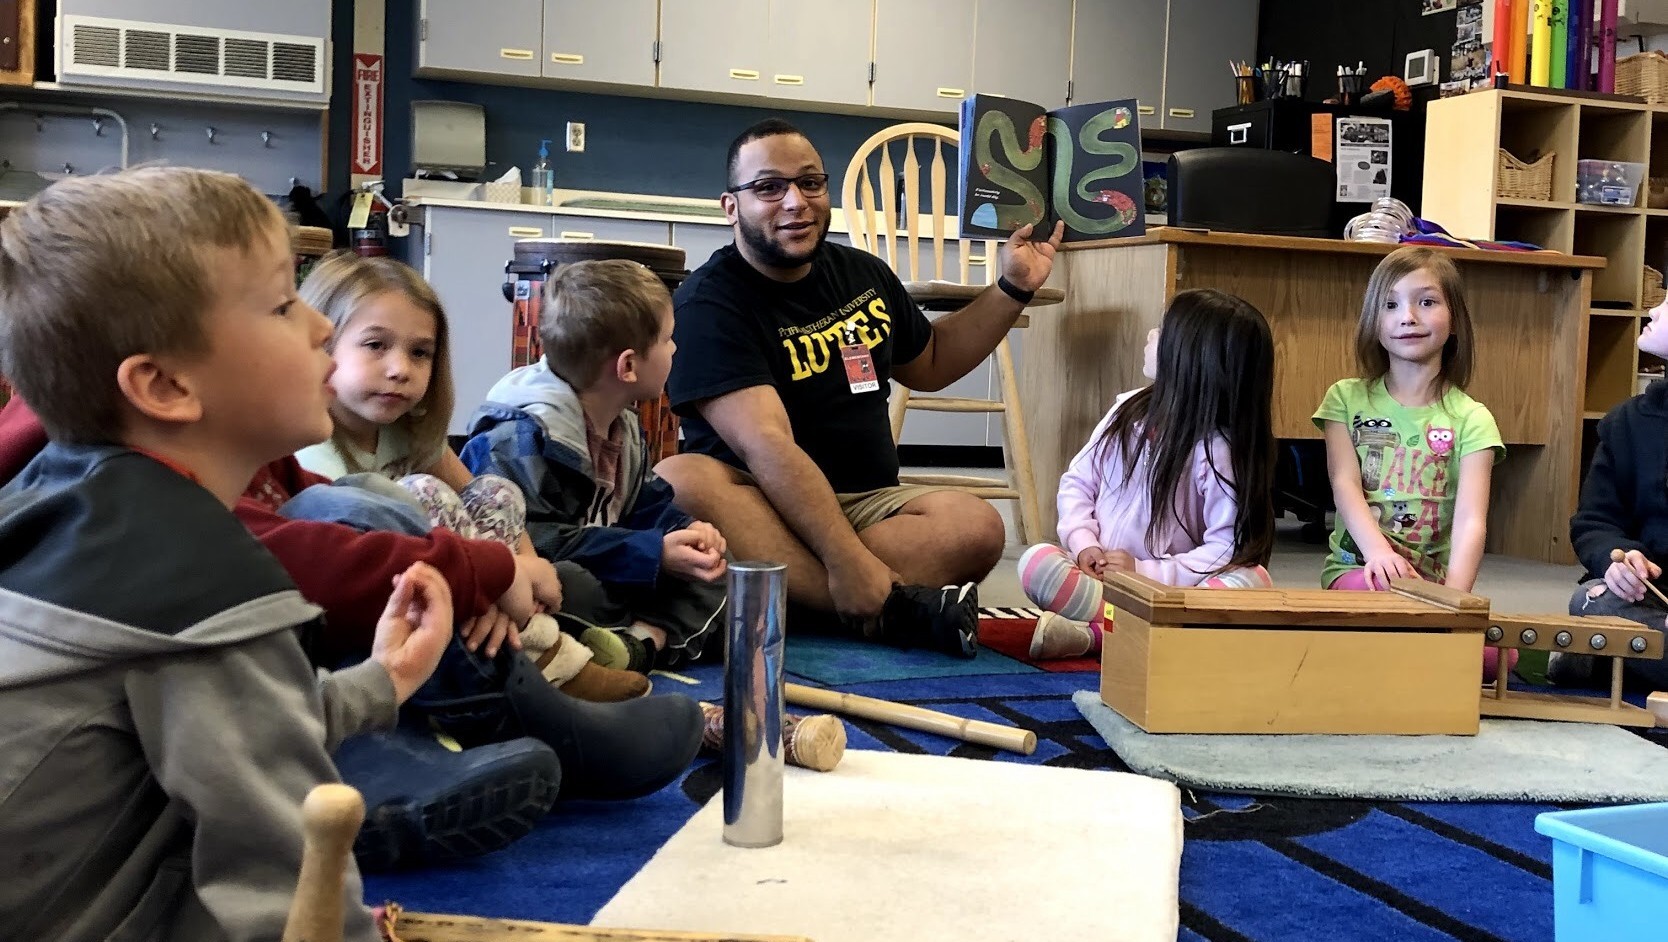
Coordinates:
[544,181]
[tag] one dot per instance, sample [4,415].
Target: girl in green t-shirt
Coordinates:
[1409,454]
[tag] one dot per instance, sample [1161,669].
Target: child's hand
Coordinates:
[1382,567]
[681,554]
[1627,577]
[711,539]
[1119,561]
[414,628]
[1092,561]
[491,629]
[536,584]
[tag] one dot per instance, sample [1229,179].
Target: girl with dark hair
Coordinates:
[1176,483]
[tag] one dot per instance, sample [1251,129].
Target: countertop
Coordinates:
[678,210]
[1167,234]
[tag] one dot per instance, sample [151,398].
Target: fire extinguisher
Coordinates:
[372,240]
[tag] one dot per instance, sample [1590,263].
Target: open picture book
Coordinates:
[1021,164]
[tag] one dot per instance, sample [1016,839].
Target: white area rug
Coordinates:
[902,848]
[1508,760]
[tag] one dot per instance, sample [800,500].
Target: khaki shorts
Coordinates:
[866,508]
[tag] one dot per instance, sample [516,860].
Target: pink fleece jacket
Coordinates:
[1097,508]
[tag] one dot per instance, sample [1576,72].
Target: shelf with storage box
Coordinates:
[1534,195]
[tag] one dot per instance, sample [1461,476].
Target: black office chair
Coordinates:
[1244,189]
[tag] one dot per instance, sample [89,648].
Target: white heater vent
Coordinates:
[146,49]
[103,47]
[98,46]
[196,53]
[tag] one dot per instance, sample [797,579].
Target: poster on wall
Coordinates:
[1427,7]
[1362,159]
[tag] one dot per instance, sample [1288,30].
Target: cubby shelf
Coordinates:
[1463,139]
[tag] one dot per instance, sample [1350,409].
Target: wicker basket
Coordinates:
[1644,75]
[1525,181]
[1653,293]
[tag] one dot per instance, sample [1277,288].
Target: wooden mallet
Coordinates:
[331,816]
[995,735]
[1616,556]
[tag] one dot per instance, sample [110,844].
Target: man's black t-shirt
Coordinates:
[736,329]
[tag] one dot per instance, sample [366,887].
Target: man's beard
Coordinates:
[772,254]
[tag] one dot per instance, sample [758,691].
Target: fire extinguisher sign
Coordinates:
[367,114]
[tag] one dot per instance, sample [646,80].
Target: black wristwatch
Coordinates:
[1014,291]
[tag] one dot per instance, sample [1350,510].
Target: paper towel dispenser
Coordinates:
[448,136]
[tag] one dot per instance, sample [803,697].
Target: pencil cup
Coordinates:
[1349,89]
[753,757]
[1248,89]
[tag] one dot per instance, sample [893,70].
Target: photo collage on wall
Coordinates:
[1468,66]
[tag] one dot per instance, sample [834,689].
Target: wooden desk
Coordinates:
[1529,311]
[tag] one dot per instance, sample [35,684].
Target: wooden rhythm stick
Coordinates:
[995,735]
[423,927]
[1616,556]
[331,816]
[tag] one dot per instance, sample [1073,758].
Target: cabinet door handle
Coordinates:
[1181,112]
[790,80]
[1145,109]
[567,58]
[974,260]
[952,93]
[581,236]
[526,232]
[746,75]
[1239,133]
[515,54]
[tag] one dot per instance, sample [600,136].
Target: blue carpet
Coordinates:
[834,661]
[1273,869]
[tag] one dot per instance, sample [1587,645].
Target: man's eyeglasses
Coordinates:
[772,189]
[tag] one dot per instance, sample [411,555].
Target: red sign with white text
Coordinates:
[367,114]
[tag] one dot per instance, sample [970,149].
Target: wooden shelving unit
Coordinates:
[1463,138]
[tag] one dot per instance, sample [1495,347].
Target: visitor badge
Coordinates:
[860,367]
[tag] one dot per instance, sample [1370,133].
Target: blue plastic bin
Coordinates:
[1609,873]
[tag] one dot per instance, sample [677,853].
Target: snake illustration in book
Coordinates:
[995,124]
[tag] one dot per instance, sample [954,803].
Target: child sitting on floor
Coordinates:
[563,430]
[1624,506]
[1410,454]
[393,401]
[1176,483]
[162,719]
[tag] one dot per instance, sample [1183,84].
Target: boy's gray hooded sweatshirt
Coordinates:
[160,723]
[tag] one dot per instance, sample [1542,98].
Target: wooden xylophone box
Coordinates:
[1403,662]
[1293,660]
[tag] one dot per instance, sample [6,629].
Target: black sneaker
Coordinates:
[609,751]
[946,619]
[427,804]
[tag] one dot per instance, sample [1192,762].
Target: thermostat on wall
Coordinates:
[1420,68]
